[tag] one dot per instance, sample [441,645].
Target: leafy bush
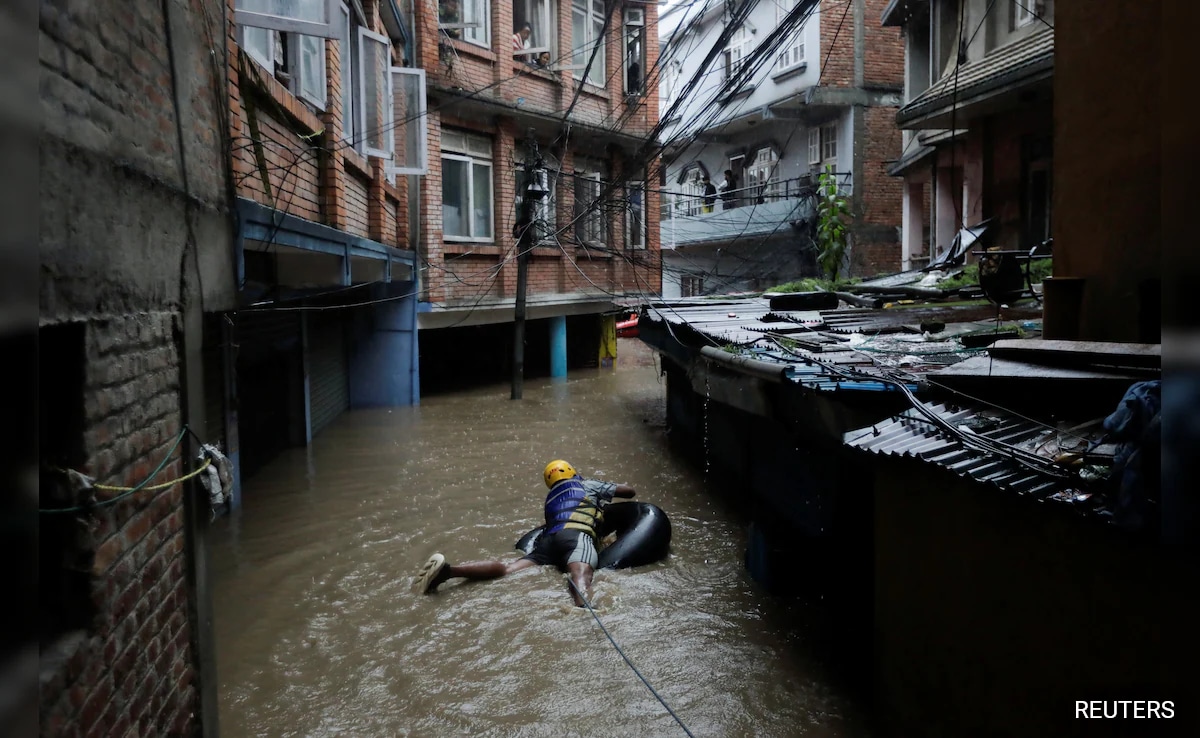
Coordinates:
[814,284]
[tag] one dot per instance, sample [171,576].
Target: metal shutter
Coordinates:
[328,373]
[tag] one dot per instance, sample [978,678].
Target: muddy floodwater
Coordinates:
[320,632]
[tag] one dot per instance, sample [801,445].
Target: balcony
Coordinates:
[757,210]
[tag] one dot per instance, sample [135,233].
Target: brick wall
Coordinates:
[837,43]
[131,672]
[310,166]
[883,63]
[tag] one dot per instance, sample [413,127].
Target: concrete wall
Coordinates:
[134,244]
[1107,209]
[994,614]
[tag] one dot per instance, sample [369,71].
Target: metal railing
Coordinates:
[690,205]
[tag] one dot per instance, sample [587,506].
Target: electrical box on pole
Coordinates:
[534,189]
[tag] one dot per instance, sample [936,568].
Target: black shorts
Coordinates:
[565,547]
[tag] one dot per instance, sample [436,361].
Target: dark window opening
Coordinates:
[64,578]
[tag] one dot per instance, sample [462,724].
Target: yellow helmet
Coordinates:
[557,470]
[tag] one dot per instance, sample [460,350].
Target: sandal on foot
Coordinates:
[428,579]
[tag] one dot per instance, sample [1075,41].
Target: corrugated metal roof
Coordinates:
[1018,60]
[912,435]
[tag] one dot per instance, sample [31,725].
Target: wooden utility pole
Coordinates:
[533,190]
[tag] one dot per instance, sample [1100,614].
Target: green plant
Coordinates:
[814,284]
[833,220]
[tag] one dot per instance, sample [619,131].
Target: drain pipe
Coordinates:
[769,370]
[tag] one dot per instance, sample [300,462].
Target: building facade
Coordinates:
[571,82]
[323,108]
[134,247]
[978,124]
[789,90]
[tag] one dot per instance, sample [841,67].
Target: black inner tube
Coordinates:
[643,535]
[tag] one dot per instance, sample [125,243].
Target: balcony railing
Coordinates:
[757,210]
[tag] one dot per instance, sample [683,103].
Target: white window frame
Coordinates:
[351,72]
[635,27]
[735,52]
[814,146]
[590,221]
[692,201]
[533,9]
[477,31]
[265,58]
[691,285]
[318,97]
[254,13]
[473,159]
[829,143]
[1024,12]
[419,119]
[670,83]
[792,54]
[631,242]
[761,174]
[581,49]
[385,81]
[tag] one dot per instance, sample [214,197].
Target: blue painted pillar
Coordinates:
[558,346]
[383,363]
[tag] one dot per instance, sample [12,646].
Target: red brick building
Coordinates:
[134,246]
[582,85]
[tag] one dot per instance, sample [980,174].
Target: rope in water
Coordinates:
[627,661]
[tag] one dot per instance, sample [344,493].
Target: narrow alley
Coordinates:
[319,630]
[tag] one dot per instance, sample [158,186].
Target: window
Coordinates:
[635,215]
[792,54]
[670,83]
[589,214]
[544,219]
[691,285]
[635,50]
[375,94]
[822,145]
[408,126]
[760,176]
[539,16]
[469,20]
[692,195]
[296,60]
[1025,12]
[587,35]
[466,186]
[736,52]
[350,71]
[306,17]
[829,144]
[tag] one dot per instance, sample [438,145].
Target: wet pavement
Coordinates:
[320,632]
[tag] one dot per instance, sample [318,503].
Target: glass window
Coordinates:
[792,53]
[635,215]
[533,24]
[310,63]
[466,186]
[349,63]
[736,52]
[760,176]
[589,213]
[635,50]
[587,32]
[829,144]
[310,17]
[376,91]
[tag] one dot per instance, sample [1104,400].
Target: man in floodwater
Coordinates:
[574,507]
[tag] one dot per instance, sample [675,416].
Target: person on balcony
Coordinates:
[729,191]
[710,195]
